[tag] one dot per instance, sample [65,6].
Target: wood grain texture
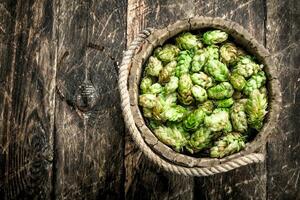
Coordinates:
[143,179]
[283,30]
[26,99]
[89,127]
[248,182]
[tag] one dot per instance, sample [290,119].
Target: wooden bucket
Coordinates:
[129,79]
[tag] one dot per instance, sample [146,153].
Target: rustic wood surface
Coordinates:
[62,134]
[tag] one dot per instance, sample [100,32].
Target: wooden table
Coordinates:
[62,134]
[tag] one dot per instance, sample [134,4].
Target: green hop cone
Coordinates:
[147,112]
[237,81]
[227,145]
[224,103]
[217,70]
[214,37]
[207,106]
[228,126]
[166,72]
[153,67]
[199,60]
[145,84]
[246,67]
[172,85]
[194,119]
[183,63]
[217,121]
[147,100]
[199,140]
[255,82]
[185,89]
[168,53]
[228,53]
[237,95]
[162,103]
[256,109]
[173,137]
[156,88]
[202,80]
[199,93]
[263,90]
[174,113]
[220,91]
[187,41]
[238,116]
[212,52]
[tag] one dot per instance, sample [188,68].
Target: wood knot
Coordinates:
[86,96]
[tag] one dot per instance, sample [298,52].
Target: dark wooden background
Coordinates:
[62,134]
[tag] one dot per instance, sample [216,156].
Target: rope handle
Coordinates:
[130,124]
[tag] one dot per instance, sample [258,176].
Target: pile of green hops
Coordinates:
[203,94]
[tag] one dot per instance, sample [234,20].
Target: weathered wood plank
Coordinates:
[27,80]
[250,181]
[283,29]
[89,127]
[143,179]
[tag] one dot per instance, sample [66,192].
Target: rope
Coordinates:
[129,120]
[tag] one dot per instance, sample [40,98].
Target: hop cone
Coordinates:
[227,145]
[199,140]
[212,52]
[166,72]
[238,116]
[168,53]
[153,67]
[220,91]
[237,81]
[228,53]
[187,41]
[256,109]
[214,37]
[156,88]
[147,100]
[185,89]
[202,80]
[145,84]
[194,119]
[246,67]
[199,60]
[255,82]
[207,106]
[183,63]
[199,93]
[171,136]
[217,121]
[172,85]
[217,70]
[224,103]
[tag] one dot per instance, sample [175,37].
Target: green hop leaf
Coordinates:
[214,37]
[183,63]
[200,140]
[246,67]
[227,145]
[187,41]
[153,67]
[220,91]
[217,70]
[199,93]
[202,80]
[256,109]
[255,82]
[168,53]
